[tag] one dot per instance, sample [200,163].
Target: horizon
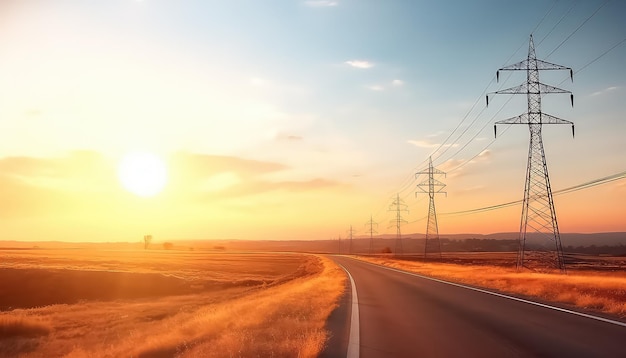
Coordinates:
[298,120]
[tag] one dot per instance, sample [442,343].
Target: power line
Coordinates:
[507,128]
[578,28]
[410,179]
[544,17]
[558,22]
[578,187]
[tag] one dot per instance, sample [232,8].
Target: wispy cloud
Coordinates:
[604,91]
[360,64]
[375,88]
[321,3]
[288,137]
[461,167]
[428,144]
[381,87]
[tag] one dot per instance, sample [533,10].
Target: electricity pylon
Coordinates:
[398,206]
[432,245]
[371,224]
[339,244]
[538,212]
[350,234]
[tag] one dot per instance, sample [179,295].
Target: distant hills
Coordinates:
[596,243]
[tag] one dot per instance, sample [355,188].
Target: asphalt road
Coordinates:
[401,315]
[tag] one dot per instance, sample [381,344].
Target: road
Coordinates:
[401,315]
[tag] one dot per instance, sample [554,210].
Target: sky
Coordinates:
[296,119]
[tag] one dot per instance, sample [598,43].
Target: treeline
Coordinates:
[617,250]
[489,245]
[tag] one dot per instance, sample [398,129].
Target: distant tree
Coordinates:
[168,245]
[386,250]
[147,239]
[219,247]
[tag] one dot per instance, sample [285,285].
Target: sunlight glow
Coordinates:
[142,174]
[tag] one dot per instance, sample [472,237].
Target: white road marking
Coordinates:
[353,341]
[500,295]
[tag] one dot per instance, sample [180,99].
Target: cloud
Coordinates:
[375,88]
[379,87]
[428,144]
[604,91]
[32,186]
[321,3]
[256,187]
[462,167]
[258,82]
[436,134]
[86,183]
[225,177]
[202,166]
[288,137]
[360,64]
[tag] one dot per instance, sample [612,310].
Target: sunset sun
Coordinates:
[143,174]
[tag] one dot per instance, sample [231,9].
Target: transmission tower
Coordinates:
[432,245]
[371,225]
[398,206]
[538,214]
[350,235]
[339,244]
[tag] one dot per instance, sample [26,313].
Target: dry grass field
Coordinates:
[135,303]
[599,290]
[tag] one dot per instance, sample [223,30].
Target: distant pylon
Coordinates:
[432,244]
[538,212]
[371,224]
[398,206]
[350,235]
[339,244]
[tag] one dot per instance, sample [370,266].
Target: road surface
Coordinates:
[401,315]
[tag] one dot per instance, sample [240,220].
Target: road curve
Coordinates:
[402,315]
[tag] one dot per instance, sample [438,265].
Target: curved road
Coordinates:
[402,315]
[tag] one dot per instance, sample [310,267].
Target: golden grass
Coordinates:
[11,326]
[605,292]
[276,305]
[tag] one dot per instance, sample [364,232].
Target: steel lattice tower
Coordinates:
[371,224]
[350,235]
[538,214]
[398,206]
[432,245]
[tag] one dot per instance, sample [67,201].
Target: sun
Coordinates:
[142,173]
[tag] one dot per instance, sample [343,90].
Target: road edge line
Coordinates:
[602,319]
[353,341]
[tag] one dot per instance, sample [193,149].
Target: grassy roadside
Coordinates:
[284,319]
[601,291]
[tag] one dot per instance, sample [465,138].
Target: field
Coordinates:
[91,302]
[591,282]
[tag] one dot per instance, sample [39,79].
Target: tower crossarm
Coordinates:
[523,89]
[541,65]
[435,182]
[523,119]
[434,171]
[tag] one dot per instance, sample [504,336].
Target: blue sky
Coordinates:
[357,93]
